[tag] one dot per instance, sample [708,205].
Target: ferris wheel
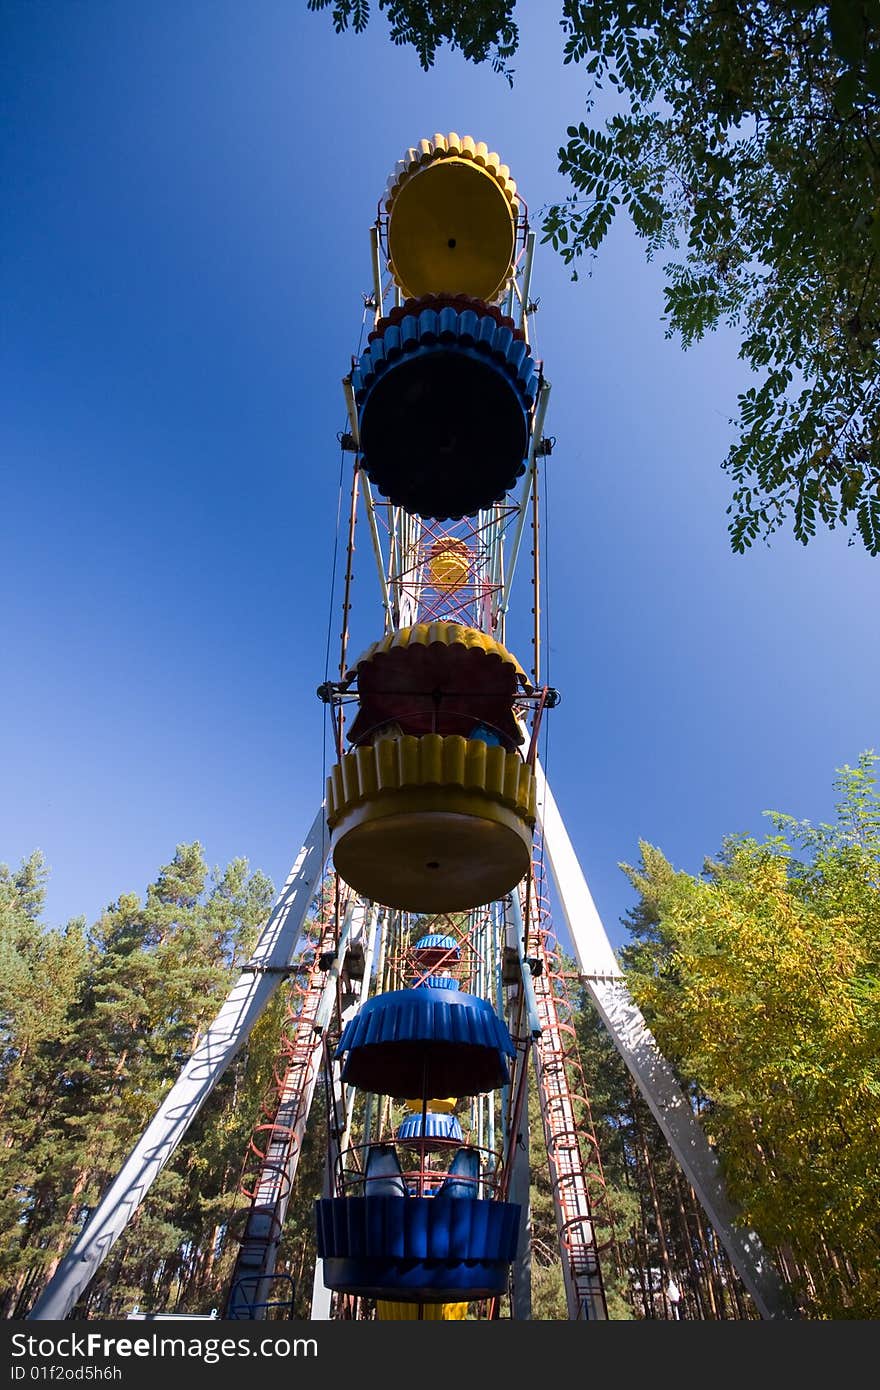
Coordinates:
[415,931]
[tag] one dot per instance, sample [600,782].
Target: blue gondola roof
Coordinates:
[435,982]
[437,1126]
[430,324]
[435,942]
[434,1042]
[450,382]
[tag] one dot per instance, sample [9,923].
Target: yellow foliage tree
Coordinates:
[760,980]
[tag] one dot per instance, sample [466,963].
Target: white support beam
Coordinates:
[525,494]
[527,280]
[651,1072]
[370,505]
[520,1192]
[218,1047]
[525,969]
[322,1296]
[376,257]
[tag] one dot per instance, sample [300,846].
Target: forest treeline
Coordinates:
[759,977]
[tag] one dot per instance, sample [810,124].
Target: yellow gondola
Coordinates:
[386,1311]
[440,1107]
[437,677]
[452,216]
[434,809]
[449,561]
[431,824]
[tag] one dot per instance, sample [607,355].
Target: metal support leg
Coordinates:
[322,1295]
[220,1044]
[519,1191]
[654,1077]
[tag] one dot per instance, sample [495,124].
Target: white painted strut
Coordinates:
[223,1040]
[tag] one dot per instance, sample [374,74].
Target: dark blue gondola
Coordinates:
[444,393]
[437,942]
[436,950]
[417,1249]
[426,1042]
[385,1242]
[436,1127]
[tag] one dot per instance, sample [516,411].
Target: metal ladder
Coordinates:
[577,1179]
[276,1143]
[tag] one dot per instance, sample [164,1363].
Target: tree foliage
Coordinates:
[94,1026]
[761,981]
[748,144]
[661,1233]
[745,146]
[482,29]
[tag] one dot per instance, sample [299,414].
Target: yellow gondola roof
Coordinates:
[426,152]
[438,677]
[444,634]
[452,219]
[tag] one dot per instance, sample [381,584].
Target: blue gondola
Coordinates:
[442,1234]
[445,391]
[436,949]
[432,1127]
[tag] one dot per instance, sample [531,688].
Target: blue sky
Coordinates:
[189,189]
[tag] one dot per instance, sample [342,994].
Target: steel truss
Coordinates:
[276,1144]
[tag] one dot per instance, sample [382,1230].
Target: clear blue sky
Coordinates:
[188,191]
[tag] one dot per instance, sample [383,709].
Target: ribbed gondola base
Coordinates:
[423,860]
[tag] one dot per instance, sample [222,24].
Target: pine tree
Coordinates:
[96,1025]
